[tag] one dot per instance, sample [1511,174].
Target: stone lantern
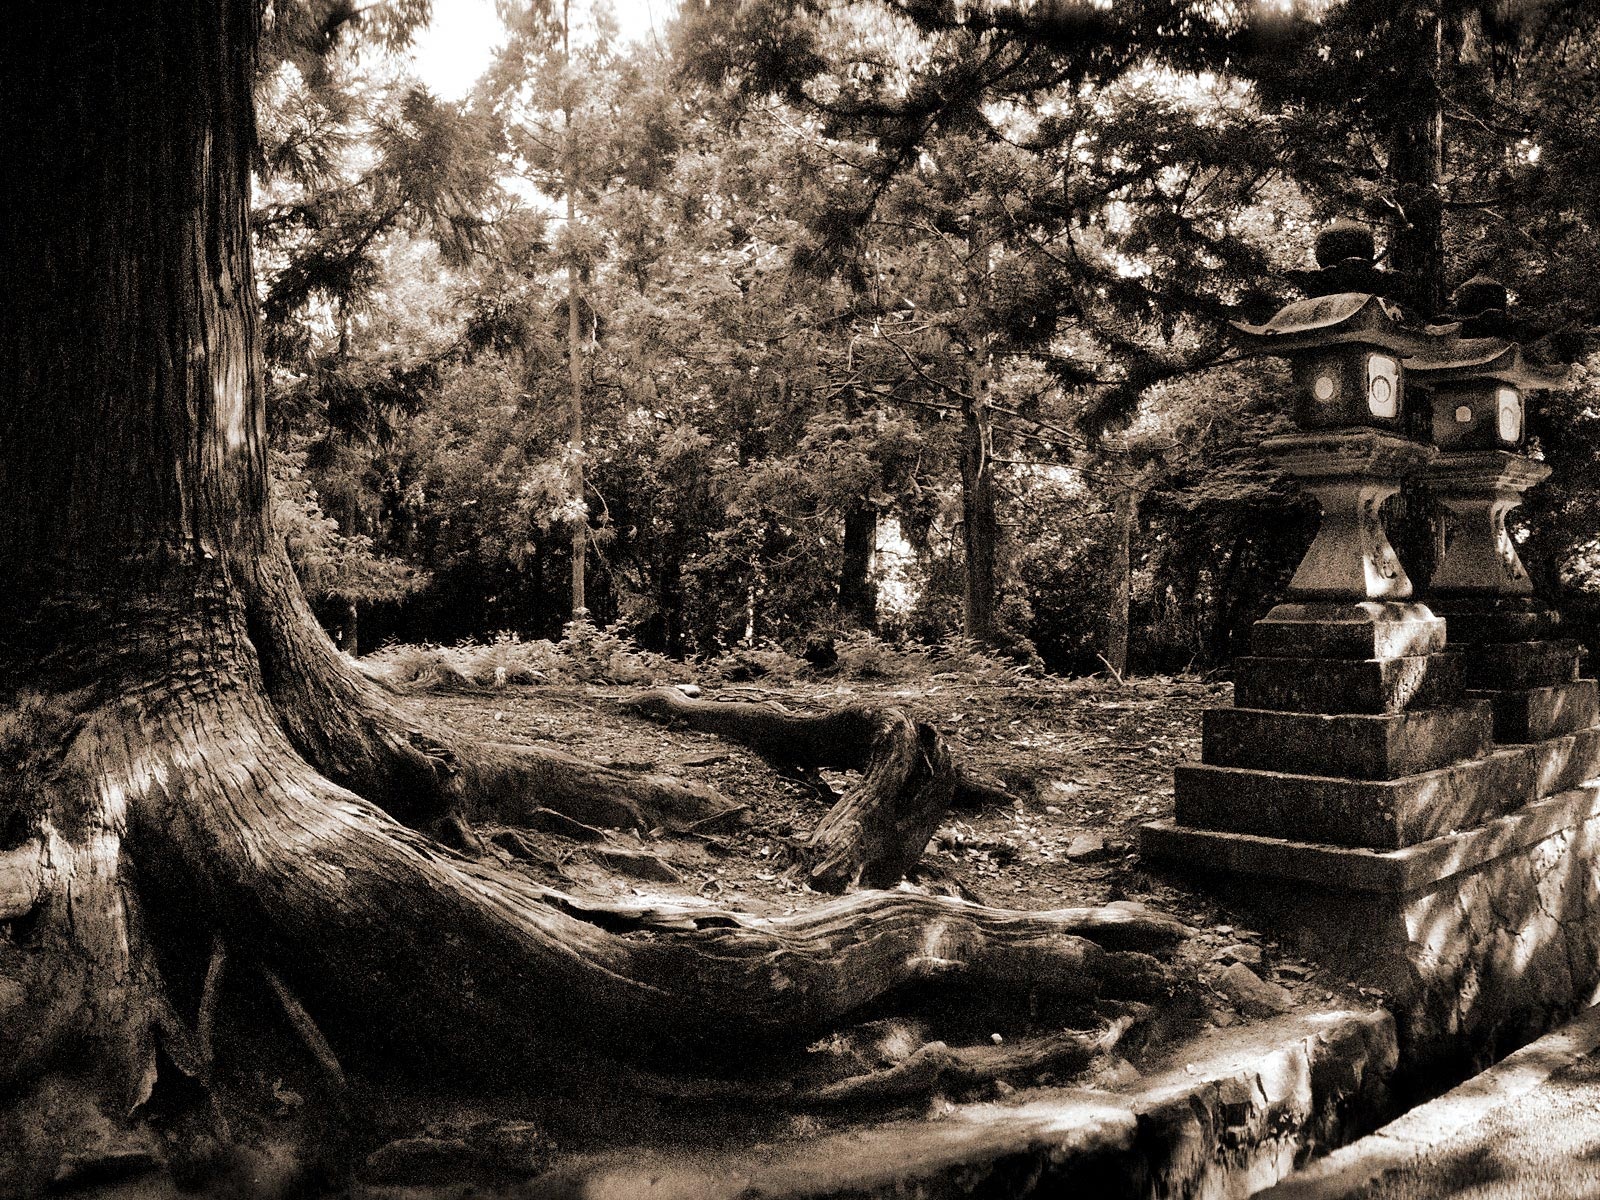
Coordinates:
[1353,797]
[1480,380]
[1347,352]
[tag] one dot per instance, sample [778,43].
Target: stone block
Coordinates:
[1506,619]
[1359,746]
[1373,685]
[1373,629]
[1513,666]
[1411,869]
[1534,714]
[1376,814]
[1565,762]
[1480,939]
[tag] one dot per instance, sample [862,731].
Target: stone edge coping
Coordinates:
[1412,869]
[1345,1172]
[1270,1066]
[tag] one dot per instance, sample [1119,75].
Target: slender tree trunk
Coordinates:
[858,599]
[980,526]
[1125,518]
[580,535]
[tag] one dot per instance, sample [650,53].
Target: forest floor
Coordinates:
[1087,762]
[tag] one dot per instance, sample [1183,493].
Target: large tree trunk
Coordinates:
[187,758]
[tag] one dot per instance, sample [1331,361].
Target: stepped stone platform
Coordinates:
[1517,661]
[1422,813]
[1385,814]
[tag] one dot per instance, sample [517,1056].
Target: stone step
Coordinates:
[1382,814]
[1410,869]
[1373,685]
[1357,746]
[1534,714]
[1471,625]
[1512,666]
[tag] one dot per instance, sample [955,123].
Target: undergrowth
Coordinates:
[588,653]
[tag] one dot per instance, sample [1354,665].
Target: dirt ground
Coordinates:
[1087,762]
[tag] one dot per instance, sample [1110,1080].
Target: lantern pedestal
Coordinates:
[1351,724]
[1513,653]
[1477,489]
[1351,472]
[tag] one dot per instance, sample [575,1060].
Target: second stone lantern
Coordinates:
[1480,379]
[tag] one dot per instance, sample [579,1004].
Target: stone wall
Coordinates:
[1480,941]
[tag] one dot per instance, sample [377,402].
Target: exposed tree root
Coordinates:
[378,941]
[358,735]
[933,1067]
[306,1029]
[877,830]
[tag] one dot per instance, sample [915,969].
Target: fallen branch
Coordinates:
[303,1025]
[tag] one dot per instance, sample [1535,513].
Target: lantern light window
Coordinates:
[1508,407]
[1383,386]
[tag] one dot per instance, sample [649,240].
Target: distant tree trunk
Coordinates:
[349,627]
[1119,567]
[858,598]
[1416,162]
[1225,584]
[580,535]
[980,527]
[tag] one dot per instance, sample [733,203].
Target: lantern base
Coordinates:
[1352,629]
[1515,661]
[1351,473]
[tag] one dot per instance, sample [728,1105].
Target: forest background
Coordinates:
[809,325]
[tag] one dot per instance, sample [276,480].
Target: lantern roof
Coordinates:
[1322,321]
[1447,357]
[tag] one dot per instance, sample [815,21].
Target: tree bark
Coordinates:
[858,598]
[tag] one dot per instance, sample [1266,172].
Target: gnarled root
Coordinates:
[362,738]
[878,829]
